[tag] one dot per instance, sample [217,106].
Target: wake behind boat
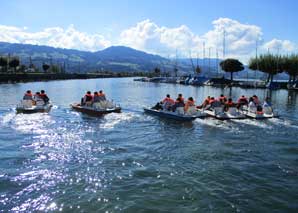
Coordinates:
[219,113]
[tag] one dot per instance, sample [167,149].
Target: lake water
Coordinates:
[133,162]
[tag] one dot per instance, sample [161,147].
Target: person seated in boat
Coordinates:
[38,99]
[179,105]
[87,100]
[242,101]
[222,99]
[102,96]
[229,104]
[256,100]
[190,107]
[168,102]
[181,97]
[157,106]
[205,103]
[28,95]
[213,103]
[44,96]
[251,105]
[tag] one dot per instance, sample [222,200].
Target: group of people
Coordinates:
[170,104]
[253,102]
[90,100]
[37,97]
[222,101]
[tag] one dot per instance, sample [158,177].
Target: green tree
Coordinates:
[55,68]
[268,63]
[14,63]
[290,66]
[231,65]
[45,67]
[157,71]
[3,63]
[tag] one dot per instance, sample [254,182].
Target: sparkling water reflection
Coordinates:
[66,161]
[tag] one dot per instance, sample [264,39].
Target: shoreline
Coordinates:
[36,77]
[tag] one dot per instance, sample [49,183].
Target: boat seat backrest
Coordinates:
[27,103]
[191,110]
[267,110]
[232,110]
[252,108]
[40,103]
[180,110]
[218,110]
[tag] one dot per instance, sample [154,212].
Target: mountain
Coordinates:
[115,58]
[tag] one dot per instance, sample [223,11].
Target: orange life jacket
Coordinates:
[211,101]
[242,99]
[230,103]
[28,94]
[101,94]
[189,104]
[168,100]
[222,98]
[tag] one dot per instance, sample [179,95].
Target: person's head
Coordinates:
[242,96]
[212,98]
[254,96]
[230,100]
[208,97]
[190,99]
[28,92]
[95,93]
[251,99]
[221,95]
[42,91]
[180,95]
[100,91]
[267,99]
[88,92]
[168,96]
[37,93]
[178,99]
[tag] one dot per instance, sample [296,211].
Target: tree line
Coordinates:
[13,65]
[266,63]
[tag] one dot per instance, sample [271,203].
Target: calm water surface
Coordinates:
[133,162]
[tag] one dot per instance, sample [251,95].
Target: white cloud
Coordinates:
[56,37]
[240,38]
[148,36]
[280,46]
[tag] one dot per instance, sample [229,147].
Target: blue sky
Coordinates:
[109,19]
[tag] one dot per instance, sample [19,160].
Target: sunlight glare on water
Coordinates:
[131,161]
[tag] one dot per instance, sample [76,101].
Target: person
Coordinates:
[96,97]
[178,103]
[181,97]
[251,104]
[213,103]
[102,96]
[256,100]
[87,100]
[242,101]
[157,106]
[229,104]
[168,102]
[189,104]
[222,99]
[205,103]
[28,95]
[37,99]
[44,96]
